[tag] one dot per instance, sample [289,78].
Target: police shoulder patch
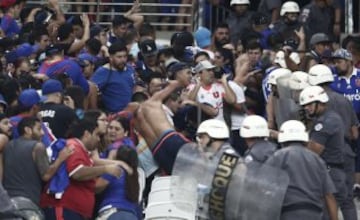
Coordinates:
[318,127]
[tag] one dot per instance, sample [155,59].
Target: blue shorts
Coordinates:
[166,148]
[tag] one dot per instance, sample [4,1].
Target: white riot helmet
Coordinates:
[320,73]
[239,2]
[280,58]
[299,80]
[292,130]
[254,126]
[313,94]
[214,128]
[277,73]
[289,7]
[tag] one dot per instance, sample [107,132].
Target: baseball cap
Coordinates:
[148,47]
[184,38]
[319,38]
[51,86]
[342,54]
[29,97]
[176,67]
[25,50]
[203,37]
[87,57]
[203,65]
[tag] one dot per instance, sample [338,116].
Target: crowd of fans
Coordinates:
[69,87]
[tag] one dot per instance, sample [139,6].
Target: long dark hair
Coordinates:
[129,156]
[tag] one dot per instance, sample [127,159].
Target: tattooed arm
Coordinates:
[41,159]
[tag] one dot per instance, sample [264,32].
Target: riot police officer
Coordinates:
[254,130]
[310,182]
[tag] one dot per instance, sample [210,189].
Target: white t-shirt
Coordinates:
[213,96]
[237,118]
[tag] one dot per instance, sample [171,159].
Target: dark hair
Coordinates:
[201,53]
[252,45]
[93,46]
[117,47]
[93,114]
[38,33]
[139,97]
[64,31]
[146,29]
[129,155]
[125,123]
[227,54]
[167,52]
[77,21]
[77,128]
[27,122]
[77,94]
[119,20]
[221,25]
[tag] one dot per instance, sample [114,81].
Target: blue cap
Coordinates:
[203,37]
[24,50]
[342,54]
[176,67]
[87,57]
[29,98]
[51,86]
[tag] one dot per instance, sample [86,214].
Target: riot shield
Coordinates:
[285,106]
[226,187]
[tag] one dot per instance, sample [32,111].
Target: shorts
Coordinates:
[166,148]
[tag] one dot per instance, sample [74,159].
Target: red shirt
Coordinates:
[79,196]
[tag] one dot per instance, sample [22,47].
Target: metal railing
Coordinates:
[150,10]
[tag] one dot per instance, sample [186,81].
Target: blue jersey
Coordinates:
[9,26]
[116,87]
[69,67]
[115,194]
[266,87]
[349,87]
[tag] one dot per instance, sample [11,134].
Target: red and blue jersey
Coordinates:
[349,87]
[69,67]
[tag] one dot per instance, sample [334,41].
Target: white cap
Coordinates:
[277,73]
[239,2]
[319,74]
[292,130]
[299,80]
[313,94]
[214,128]
[203,65]
[254,126]
[289,7]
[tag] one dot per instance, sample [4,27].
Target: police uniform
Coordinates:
[286,30]
[238,24]
[266,6]
[349,119]
[260,151]
[317,20]
[328,131]
[309,182]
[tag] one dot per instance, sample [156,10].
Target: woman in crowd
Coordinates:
[120,196]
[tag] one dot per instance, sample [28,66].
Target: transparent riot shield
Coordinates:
[257,195]
[226,188]
[285,106]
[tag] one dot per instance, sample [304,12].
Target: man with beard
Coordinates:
[289,20]
[346,78]
[115,80]
[221,36]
